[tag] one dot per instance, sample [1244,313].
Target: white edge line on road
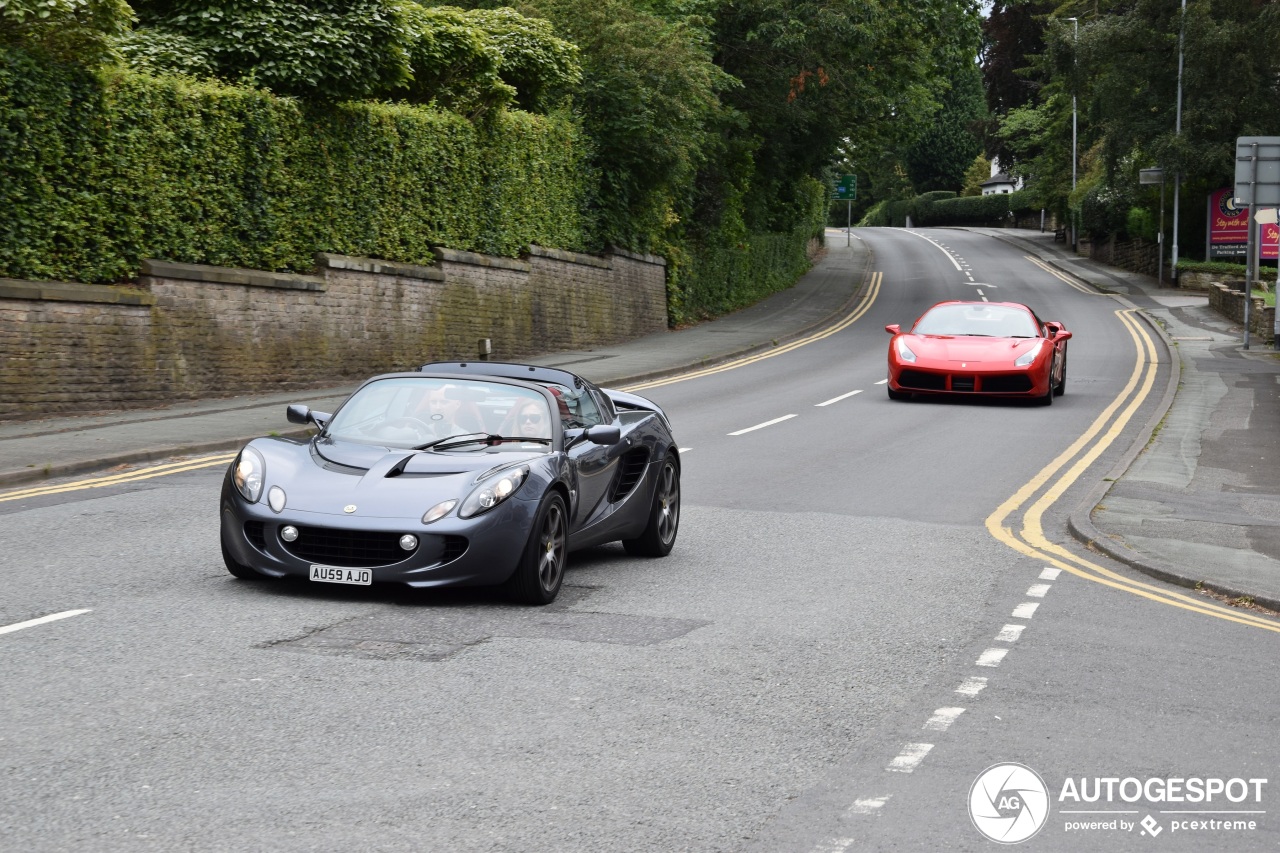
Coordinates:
[52,617]
[869,805]
[941,248]
[972,685]
[942,719]
[992,657]
[910,757]
[1025,610]
[838,399]
[1010,633]
[763,425]
[1037,590]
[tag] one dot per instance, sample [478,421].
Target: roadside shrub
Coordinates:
[99,170]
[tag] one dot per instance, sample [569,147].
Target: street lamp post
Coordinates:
[1075,38]
[1177,130]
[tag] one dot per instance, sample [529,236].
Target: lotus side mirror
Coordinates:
[298,414]
[603,434]
[893,329]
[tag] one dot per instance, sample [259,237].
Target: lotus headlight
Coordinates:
[439,511]
[249,473]
[493,490]
[904,351]
[1029,356]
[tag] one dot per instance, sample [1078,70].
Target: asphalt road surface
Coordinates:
[870,604]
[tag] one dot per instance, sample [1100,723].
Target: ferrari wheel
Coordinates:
[538,577]
[1062,383]
[237,568]
[1047,398]
[664,516]
[898,395]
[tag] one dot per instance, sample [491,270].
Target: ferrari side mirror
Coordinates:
[1062,335]
[893,329]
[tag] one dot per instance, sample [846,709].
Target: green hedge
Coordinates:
[1222,267]
[943,208]
[101,170]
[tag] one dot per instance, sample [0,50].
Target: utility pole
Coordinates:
[1075,39]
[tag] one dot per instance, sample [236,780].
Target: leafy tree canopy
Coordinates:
[71,30]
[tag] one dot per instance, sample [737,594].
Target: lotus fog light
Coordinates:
[276,499]
[408,542]
[439,511]
[289,533]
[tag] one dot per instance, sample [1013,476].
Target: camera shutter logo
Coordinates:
[1009,803]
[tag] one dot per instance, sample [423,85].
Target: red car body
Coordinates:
[988,349]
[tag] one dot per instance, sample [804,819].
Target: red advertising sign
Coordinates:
[1229,230]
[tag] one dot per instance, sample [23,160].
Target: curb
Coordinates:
[23,476]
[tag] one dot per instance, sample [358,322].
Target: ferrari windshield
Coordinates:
[978,319]
[411,412]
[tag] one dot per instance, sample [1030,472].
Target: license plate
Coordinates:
[337,574]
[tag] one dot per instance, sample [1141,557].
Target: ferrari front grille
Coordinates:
[1014,383]
[923,381]
[347,548]
[962,383]
[629,473]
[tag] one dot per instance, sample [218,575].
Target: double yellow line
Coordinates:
[1061,276]
[1018,522]
[863,306]
[120,478]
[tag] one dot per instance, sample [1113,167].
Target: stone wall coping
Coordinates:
[648,259]
[456,256]
[378,266]
[231,275]
[66,291]
[571,257]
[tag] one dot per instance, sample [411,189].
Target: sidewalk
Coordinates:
[55,447]
[1197,498]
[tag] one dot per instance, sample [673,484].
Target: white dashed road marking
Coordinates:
[837,399]
[1050,574]
[31,623]
[1010,633]
[942,719]
[763,425]
[910,757]
[870,805]
[882,382]
[1037,590]
[1025,610]
[972,686]
[992,657]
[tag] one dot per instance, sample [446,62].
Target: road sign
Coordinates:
[847,188]
[1258,171]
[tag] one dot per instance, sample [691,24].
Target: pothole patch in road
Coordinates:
[434,634]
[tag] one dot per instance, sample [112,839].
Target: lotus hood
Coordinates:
[327,476]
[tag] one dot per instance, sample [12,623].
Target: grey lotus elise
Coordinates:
[466,474]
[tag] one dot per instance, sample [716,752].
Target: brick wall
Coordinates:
[189,332]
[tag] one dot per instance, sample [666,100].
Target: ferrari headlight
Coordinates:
[493,490]
[249,473]
[439,511]
[904,351]
[1029,356]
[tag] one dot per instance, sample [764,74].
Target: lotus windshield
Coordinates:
[991,321]
[410,412]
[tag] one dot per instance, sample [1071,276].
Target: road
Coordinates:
[870,603]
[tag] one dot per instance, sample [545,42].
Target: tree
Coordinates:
[939,158]
[975,176]
[70,30]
